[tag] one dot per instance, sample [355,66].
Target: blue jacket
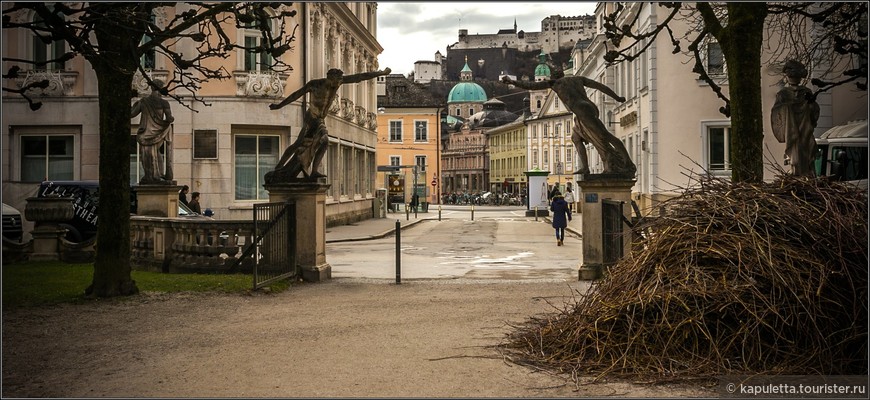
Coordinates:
[561,212]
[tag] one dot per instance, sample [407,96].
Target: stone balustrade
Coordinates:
[189,245]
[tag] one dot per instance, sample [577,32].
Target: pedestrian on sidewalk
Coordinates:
[569,198]
[561,216]
[194,203]
[182,195]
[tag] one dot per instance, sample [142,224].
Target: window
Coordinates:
[715,59]
[347,167]
[420,162]
[717,152]
[205,144]
[534,157]
[395,161]
[421,131]
[546,158]
[254,156]
[44,52]
[149,59]
[255,59]
[47,157]
[395,131]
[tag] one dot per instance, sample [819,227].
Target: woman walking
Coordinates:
[561,216]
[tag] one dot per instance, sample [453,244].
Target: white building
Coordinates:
[670,122]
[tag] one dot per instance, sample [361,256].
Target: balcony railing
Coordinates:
[189,245]
[259,84]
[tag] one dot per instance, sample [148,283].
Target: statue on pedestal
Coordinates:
[588,128]
[155,128]
[305,154]
[793,119]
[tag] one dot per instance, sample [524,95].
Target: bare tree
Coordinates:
[830,38]
[112,37]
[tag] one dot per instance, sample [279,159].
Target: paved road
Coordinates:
[500,243]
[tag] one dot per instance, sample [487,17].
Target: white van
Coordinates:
[842,153]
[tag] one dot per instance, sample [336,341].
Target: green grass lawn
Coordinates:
[53,282]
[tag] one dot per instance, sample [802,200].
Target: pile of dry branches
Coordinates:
[732,278]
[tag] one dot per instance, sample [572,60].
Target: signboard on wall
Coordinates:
[396,184]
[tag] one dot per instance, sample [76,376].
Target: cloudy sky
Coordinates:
[414,31]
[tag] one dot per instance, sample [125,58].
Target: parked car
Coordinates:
[842,153]
[83,226]
[12,223]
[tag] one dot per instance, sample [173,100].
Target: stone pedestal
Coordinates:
[310,198]
[47,213]
[595,189]
[157,200]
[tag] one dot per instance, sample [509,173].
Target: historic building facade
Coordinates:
[222,150]
[409,135]
[670,122]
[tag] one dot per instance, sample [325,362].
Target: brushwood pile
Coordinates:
[728,278]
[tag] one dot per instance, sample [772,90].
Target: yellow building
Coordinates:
[507,158]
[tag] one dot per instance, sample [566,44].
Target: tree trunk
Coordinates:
[112,271]
[742,51]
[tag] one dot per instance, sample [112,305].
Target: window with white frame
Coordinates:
[534,157]
[715,59]
[47,157]
[255,60]
[717,148]
[421,131]
[420,162]
[395,131]
[254,156]
[347,167]
[42,52]
[395,161]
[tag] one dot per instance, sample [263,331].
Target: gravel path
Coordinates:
[343,338]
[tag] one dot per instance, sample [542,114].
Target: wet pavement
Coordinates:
[500,243]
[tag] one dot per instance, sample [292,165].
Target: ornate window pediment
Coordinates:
[60,83]
[140,84]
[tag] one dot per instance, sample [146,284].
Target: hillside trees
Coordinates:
[112,38]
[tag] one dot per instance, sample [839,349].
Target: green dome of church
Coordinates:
[466,92]
[542,69]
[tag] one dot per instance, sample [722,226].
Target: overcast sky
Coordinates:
[414,31]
